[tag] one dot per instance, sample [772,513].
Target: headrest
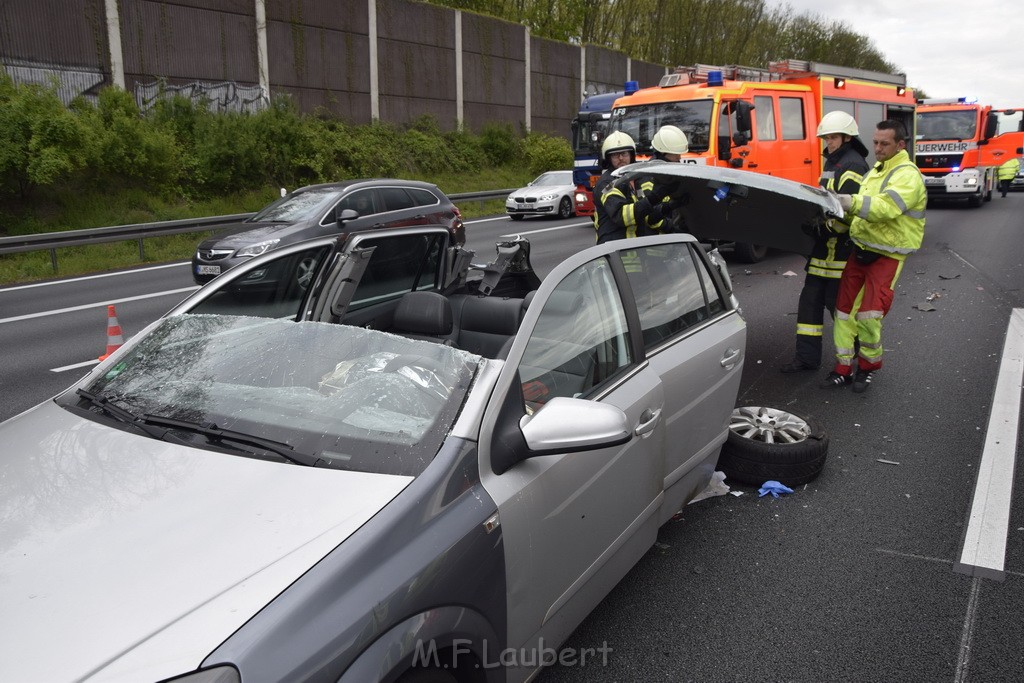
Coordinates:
[423,313]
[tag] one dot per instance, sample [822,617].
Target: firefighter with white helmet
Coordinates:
[620,205]
[843,168]
[670,143]
[618,149]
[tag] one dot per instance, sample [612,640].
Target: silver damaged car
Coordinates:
[389,467]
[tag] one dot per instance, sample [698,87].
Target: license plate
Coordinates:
[207,270]
[934,181]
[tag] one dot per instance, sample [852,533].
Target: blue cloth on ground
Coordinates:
[773,487]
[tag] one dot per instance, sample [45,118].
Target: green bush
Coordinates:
[42,141]
[544,153]
[181,150]
[500,143]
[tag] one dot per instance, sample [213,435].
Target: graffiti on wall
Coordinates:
[69,82]
[218,97]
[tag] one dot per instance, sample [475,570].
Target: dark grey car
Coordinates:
[324,210]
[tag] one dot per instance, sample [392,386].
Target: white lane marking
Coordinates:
[557,227]
[98,304]
[984,549]
[94,277]
[76,366]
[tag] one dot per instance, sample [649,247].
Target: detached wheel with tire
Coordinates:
[765,444]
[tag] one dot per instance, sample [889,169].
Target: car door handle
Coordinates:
[419,217]
[807,161]
[730,358]
[648,421]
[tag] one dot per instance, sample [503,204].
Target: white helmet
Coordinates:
[837,122]
[670,140]
[618,142]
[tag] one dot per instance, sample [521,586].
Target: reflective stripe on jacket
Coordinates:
[888,213]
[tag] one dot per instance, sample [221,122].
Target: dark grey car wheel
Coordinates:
[565,208]
[749,253]
[766,443]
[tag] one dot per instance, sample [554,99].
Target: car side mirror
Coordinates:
[562,425]
[567,425]
[346,215]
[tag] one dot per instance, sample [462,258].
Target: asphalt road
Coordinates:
[848,579]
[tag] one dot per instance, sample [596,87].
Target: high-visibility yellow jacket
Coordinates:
[1009,169]
[888,212]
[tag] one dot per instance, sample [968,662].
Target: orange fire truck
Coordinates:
[960,145]
[762,120]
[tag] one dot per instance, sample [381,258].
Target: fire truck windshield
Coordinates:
[641,122]
[588,133]
[947,125]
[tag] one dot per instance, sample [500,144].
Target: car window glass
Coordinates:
[358,399]
[360,201]
[764,117]
[395,198]
[297,207]
[554,178]
[791,110]
[399,264]
[274,289]
[580,339]
[667,286]
[422,197]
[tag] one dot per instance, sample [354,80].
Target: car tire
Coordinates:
[515,216]
[565,208]
[768,444]
[749,253]
[975,200]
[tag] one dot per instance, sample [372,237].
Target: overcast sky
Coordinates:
[949,48]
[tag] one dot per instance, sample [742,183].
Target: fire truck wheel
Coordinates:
[749,253]
[565,209]
[767,444]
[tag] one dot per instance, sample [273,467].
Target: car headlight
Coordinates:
[256,249]
[548,197]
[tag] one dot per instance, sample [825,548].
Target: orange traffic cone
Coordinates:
[114,338]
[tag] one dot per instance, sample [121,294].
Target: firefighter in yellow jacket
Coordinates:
[1006,173]
[886,223]
[623,208]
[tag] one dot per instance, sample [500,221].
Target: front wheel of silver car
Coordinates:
[565,209]
[769,444]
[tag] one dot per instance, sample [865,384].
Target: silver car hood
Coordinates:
[757,208]
[127,558]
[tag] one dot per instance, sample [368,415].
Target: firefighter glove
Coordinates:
[845,201]
[773,487]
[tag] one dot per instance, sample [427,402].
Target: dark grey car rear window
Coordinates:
[395,198]
[423,197]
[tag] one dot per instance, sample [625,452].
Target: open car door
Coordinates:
[727,204]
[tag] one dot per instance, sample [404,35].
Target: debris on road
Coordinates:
[924,307]
[716,487]
[949,277]
[886,462]
[773,487]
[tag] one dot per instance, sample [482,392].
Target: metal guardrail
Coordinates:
[140,231]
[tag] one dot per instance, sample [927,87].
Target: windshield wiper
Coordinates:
[120,414]
[215,434]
